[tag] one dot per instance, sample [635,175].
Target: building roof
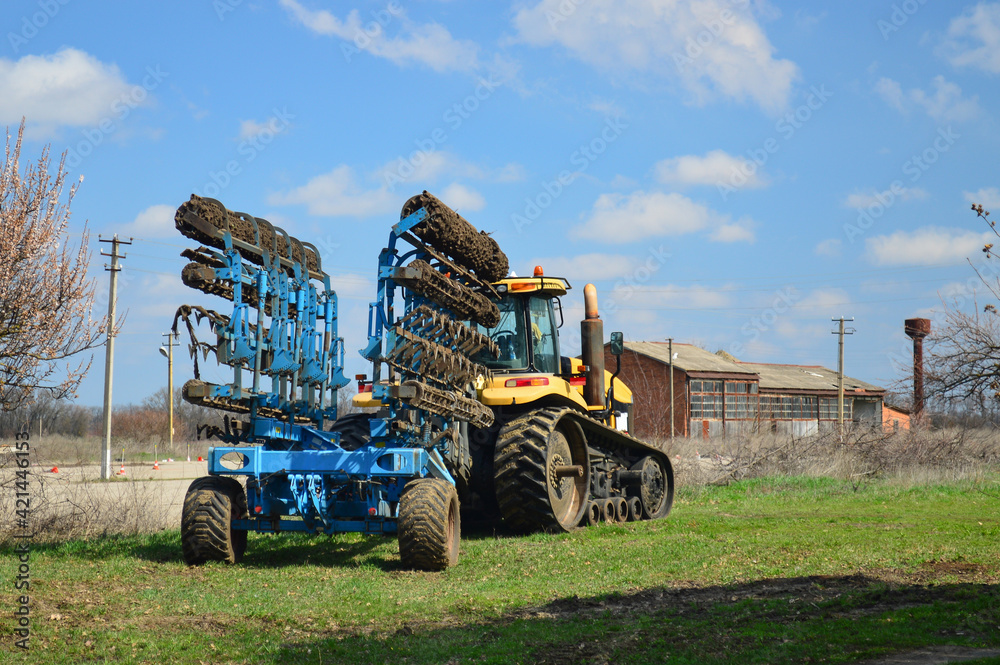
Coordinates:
[688,358]
[804,377]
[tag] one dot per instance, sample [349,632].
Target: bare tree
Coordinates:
[963,363]
[46,300]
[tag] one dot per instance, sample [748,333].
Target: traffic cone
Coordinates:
[156,465]
[121,471]
[54,469]
[200,458]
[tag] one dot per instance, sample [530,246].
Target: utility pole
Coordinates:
[169,353]
[109,352]
[670,354]
[840,373]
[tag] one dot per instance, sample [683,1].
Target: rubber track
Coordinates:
[519,462]
[423,524]
[447,231]
[210,504]
[241,229]
[465,303]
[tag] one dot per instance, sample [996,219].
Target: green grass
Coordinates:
[781,570]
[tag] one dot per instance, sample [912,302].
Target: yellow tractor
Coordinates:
[559,453]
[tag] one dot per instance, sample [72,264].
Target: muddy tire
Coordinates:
[207,534]
[355,430]
[531,495]
[429,525]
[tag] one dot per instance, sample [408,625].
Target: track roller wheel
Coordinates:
[593,514]
[607,511]
[634,509]
[542,472]
[210,506]
[656,488]
[429,524]
[621,509]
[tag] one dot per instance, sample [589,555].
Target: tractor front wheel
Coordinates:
[207,534]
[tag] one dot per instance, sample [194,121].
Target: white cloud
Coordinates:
[68,88]
[429,44]
[988,197]
[620,218]
[156,221]
[943,101]
[461,199]
[336,194]
[607,108]
[430,167]
[740,231]
[511,172]
[251,128]
[926,246]
[717,166]
[860,200]
[422,166]
[946,102]
[593,267]
[973,38]
[670,296]
[891,92]
[829,247]
[713,48]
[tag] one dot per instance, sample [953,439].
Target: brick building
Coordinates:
[715,394]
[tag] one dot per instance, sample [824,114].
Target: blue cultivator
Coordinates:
[305,469]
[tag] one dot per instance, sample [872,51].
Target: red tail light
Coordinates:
[521,383]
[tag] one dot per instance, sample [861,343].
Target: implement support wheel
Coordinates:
[207,534]
[429,524]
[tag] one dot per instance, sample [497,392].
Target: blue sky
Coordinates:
[730,173]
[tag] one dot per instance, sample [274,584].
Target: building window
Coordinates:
[828,408]
[741,400]
[788,407]
[706,399]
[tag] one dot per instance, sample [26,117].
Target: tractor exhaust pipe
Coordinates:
[592,352]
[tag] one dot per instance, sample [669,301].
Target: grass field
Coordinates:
[775,570]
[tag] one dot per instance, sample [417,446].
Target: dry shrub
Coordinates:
[66,508]
[915,456]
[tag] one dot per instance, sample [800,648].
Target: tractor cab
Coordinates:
[527,335]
